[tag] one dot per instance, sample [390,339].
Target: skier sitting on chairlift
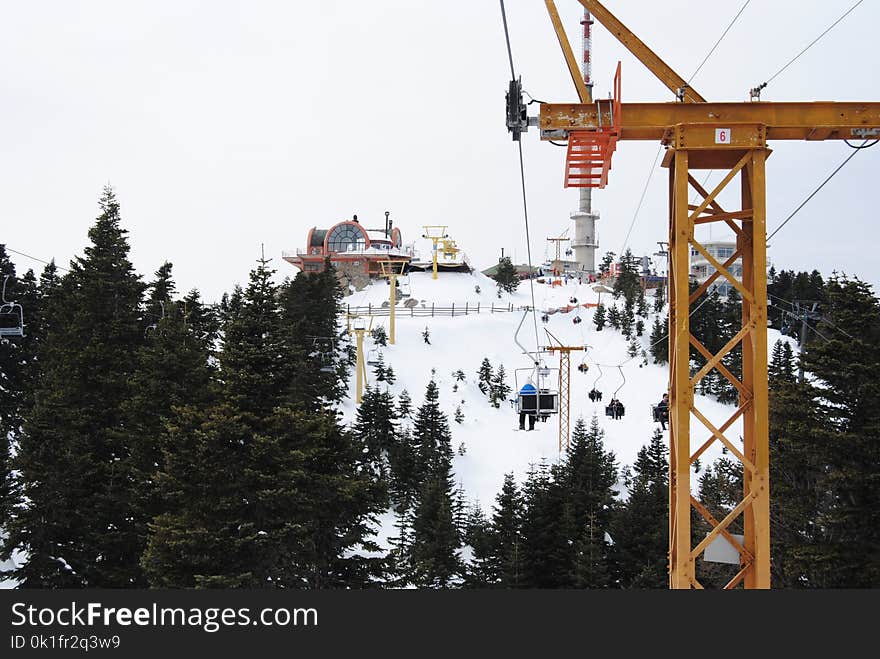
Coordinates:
[661,411]
[595,395]
[615,409]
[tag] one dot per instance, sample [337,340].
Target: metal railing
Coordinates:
[431,311]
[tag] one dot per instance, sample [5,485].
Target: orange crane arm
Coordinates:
[579,84]
[644,54]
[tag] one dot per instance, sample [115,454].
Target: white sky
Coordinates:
[224,125]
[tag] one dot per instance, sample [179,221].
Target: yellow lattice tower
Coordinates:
[435,233]
[392,269]
[702,135]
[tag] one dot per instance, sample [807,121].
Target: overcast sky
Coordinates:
[223,125]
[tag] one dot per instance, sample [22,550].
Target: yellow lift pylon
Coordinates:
[392,270]
[564,387]
[557,263]
[357,325]
[700,135]
[435,233]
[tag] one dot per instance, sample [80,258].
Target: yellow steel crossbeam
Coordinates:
[784,121]
[723,524]
[721,354]
[703,350]
[579,84]
[719,212]
[644,54]
[706,218]
[711,278]
[709,517]
[718,188]
[733,583]
[748,464]
[724,271]
[739,412]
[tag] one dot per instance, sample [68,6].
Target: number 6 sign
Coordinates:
[722,136]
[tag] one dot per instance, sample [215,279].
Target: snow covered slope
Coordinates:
[492,444]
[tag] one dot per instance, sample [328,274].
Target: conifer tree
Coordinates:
[485,376]
[614,317]
[505,276]
[659,298]
[847,363]
[499,389]
[434,555]
[505,548]
[599,317]
[547,550]
[75,453]
[640,530]
[589,476]
[404,405]
[659,343]
[641,304]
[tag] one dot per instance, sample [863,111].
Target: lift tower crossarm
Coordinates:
[645,55]
[811,121]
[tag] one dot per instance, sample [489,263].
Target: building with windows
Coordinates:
[352,248]
[701,269]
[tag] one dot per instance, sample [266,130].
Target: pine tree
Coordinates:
[599,317]
[434,553]
[485,376]
[404,405]
[589,476]
[782,362]
[627,320]
[641,304]
[309,311]
[504,551]
[478,536]
[376,428]
[640,327]
[846,363]
[659,342]
[426,336]
[254,378]
[628,282]
[605,264]
[390,377]
[173,370]
[499,390]
[614,317]
[459,375]
[547,556]
[640,530]
[505,276]
[75,453]
[380,337]
[659,298]
[459,415]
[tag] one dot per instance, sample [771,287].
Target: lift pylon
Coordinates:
[435,233]
[699,134]
[564,387]
[358,326]
[392,270]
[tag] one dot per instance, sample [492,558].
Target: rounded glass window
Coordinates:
[346,238]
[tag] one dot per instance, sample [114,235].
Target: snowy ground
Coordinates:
[492,444]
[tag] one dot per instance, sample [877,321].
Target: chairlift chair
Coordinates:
[659,414]
[11,315]
[577,320]
[615,408]
[594,394]
[374,356]
[540,401]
